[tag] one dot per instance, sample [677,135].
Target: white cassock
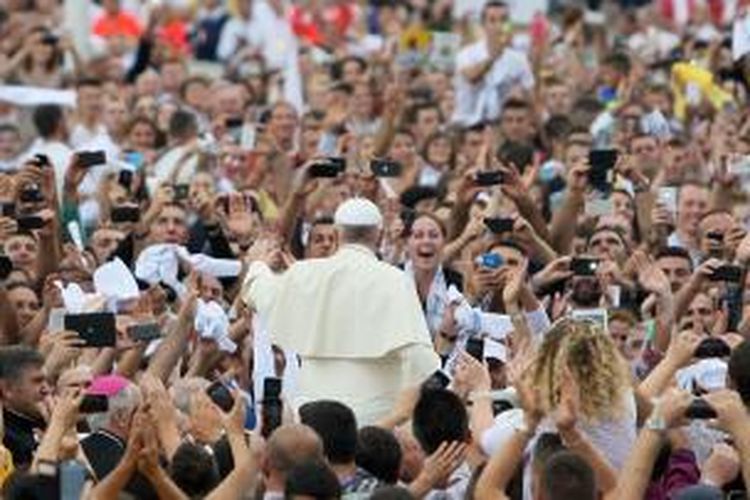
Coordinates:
[356,323]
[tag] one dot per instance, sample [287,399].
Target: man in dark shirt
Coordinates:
[22,388]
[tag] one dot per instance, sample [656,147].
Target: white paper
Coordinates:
[496,326]
[219,268]
[495,349]
[212,323]
[708,374]
[740,37]
[19,95]
[114,280]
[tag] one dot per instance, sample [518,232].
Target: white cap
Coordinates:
[358,212]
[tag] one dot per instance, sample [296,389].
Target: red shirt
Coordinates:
[305,26]
[122,24]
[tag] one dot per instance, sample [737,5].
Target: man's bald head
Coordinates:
[292,444]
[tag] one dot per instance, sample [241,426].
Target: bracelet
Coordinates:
[474,395]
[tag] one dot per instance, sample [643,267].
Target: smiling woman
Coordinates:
[426,240]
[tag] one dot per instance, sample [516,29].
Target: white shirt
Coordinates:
[483,100]
[80,135]
[176,158]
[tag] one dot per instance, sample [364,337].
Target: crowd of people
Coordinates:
[383,249]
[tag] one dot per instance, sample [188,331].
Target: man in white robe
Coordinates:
[356,322]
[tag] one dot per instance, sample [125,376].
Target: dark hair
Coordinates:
[619,61]
[492,4]
[379,453]
[392,493]
[566,476]
[25,486]
[336,425]
[194,470]
[88,81]
[47,119]
[439,416]
[17,358]
[191,81]
[141,119]
[435,137]
[515,103]
[337,68]
[677,252]
[546,445]
[557,128]
[183,124]
[739,371]
[418,108]
[425,215]
[312,479]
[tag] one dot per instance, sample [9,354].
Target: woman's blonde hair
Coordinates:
[594,362]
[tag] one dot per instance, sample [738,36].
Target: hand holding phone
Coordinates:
[499,225]
[712,347]
[584,266]
[88,159]
[385,168]
[489,178]
[95,329]
[328,168]
[700,409]
[220,395]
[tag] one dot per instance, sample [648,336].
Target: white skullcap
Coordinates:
[358,212]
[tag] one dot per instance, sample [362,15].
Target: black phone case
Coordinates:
[95,329]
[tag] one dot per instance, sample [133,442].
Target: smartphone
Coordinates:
[56,321]
[89,159]
[72,475]
[271,388]
[490,260]
[499,225]
[712,348]
[385,168]
[6,267]
[491,178]
[50,39]
[602,162]
[31,194]
[234,122]
[95,329]
[125,213]
[30,222]
[94,403]
[475,348]
[438,380]
[41,160]
[144,332]
[667,197]
[699,409]
[125,179]
[584,266]
[8,209]
[220,395]
[181,191]
[727,273]
[329,168]
[271,406]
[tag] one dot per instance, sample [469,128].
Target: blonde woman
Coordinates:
[605,410]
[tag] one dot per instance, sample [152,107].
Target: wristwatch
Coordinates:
[656,423]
